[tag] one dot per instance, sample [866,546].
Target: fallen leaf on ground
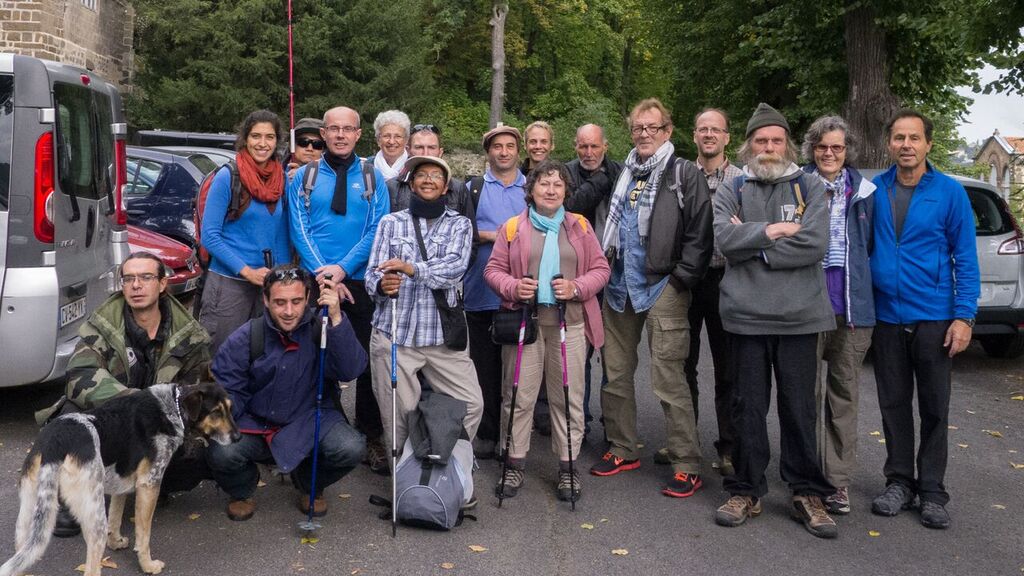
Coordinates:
[356,571]
[261,484]
[962,445]
[476,548]
[881,440]
[999,507]
[875,433]
[604,519]
[587,526]
[951,427]
[106,563]
[620,551]
[1012,451]
[447,565]
[874,533]
[1017,466]
[309,540]
[971,412]
[193,516]
[1018,397]
[993,433]
[344,496]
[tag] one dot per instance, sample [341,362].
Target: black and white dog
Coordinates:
[121,447]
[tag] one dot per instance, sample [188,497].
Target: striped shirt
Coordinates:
[448,240]
[715,178]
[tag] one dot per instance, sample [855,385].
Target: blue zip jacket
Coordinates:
[320,235]
[858,292]
[931,271]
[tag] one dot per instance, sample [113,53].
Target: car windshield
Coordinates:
[990,217]
[204,164]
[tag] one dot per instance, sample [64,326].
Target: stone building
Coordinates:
[1004,157]
[93,34]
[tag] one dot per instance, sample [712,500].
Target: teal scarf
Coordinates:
[550,259]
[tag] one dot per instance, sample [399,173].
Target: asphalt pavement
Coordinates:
[535,533]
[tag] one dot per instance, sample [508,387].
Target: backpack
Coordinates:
[512,225]
[796,186]
[476,184]
[200,206]
[432,496]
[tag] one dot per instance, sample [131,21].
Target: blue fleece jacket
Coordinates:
[320,235]
[931,271]
[235,244]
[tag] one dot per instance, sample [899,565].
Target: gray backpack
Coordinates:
[430,494]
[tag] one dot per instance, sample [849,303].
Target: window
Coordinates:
[989,217]
[83,145]
[142,176]
[6,136]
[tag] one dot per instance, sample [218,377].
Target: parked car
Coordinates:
[999,326]
[161,190]
[184,269]
[175,138]
[62,226]
[218,156]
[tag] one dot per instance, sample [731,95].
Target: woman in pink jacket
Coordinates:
[542,242]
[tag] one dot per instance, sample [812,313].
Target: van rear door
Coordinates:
[6,143]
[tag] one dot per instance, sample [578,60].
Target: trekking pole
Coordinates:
[268,258]
[565,390]
[512,407]
[309,525]
[394,413]
[291,85]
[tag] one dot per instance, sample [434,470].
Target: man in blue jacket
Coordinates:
[273,394]
[926,282]
[332,229]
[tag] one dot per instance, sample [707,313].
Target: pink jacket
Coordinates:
[509,262]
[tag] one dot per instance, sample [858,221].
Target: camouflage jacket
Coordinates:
[98,369]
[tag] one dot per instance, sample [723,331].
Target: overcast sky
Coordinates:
[991,111]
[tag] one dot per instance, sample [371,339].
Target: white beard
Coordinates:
[768,167]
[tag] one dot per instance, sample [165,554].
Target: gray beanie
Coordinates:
[309,125]
[765,115]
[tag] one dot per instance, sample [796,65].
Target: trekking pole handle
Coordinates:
[268,258]
[323,316]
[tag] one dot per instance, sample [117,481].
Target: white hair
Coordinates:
[396,117]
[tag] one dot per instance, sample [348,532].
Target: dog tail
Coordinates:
[36,519]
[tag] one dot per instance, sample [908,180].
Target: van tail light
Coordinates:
[42,214]
[121,171]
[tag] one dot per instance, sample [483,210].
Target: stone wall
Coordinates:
[70,31]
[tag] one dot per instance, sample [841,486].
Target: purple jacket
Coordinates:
[278,391]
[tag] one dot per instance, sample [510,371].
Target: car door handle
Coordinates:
[136,212]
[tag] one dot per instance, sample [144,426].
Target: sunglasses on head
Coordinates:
[287,274]
[427,127]
[304,142]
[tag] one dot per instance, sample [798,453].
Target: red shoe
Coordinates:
[682,485]
[611,464]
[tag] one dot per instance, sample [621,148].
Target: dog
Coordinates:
[120,447]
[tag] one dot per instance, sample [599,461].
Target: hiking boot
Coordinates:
[66,526]
[934,515]
[839,501]
[725,466]
[736,510]
[682,485]
[483,449]
[611,464]
[319,505]
[895,498]
[569,488]
[811,511]
[377,457]
[513,481]
[241,510]
[661,457]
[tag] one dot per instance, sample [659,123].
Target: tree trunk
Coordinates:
[870,101]
[498,61]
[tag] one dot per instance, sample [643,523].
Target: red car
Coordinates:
[180,258]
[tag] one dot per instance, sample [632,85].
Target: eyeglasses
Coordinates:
[652,129]
[835,148]
[333,130]
[436,177]
[709,130]
[130,279]
[316,143]
[427,127]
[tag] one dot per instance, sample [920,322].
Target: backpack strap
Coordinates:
[797,187]
[309,181]
[676,183]
[476,184]
[582,220]
[511,226]
[394,185]
[234,203]
[737,186]
[257,330]
[369,179]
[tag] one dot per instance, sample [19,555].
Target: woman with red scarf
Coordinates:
[237,231]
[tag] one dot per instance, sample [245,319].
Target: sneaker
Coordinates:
[934,515]
[682,485]
[569,488]
[736,510]
[377,457]
[611,464]
[661,457]
[513,480]
[66,526]
[241,510]
[895,498]
[839,501]
[811,511]
[483,449]
[319,505]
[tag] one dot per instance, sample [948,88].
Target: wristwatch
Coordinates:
[575,292]
[968,321]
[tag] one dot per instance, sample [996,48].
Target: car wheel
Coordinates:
[1003,345]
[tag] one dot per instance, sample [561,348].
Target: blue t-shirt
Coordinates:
[497,204]
[628,278]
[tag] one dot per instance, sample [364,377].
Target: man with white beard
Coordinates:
[771,224]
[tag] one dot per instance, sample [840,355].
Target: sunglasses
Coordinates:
[427,127]
[304,142]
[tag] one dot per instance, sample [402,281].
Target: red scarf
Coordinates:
[265,183]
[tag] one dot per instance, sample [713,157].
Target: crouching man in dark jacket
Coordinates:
[273,393]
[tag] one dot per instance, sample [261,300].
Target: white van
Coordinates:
[62,222]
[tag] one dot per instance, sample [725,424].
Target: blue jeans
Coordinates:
[234,466]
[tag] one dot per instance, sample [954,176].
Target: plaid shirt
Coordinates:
[448,242]
[724,172]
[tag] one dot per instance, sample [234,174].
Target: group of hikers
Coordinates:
[500,290]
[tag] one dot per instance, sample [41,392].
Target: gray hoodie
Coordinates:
[773,286]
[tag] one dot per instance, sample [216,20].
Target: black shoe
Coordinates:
[895,498]
[67,526]
[934,515]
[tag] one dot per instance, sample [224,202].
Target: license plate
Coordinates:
[72,311]
[191,284]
